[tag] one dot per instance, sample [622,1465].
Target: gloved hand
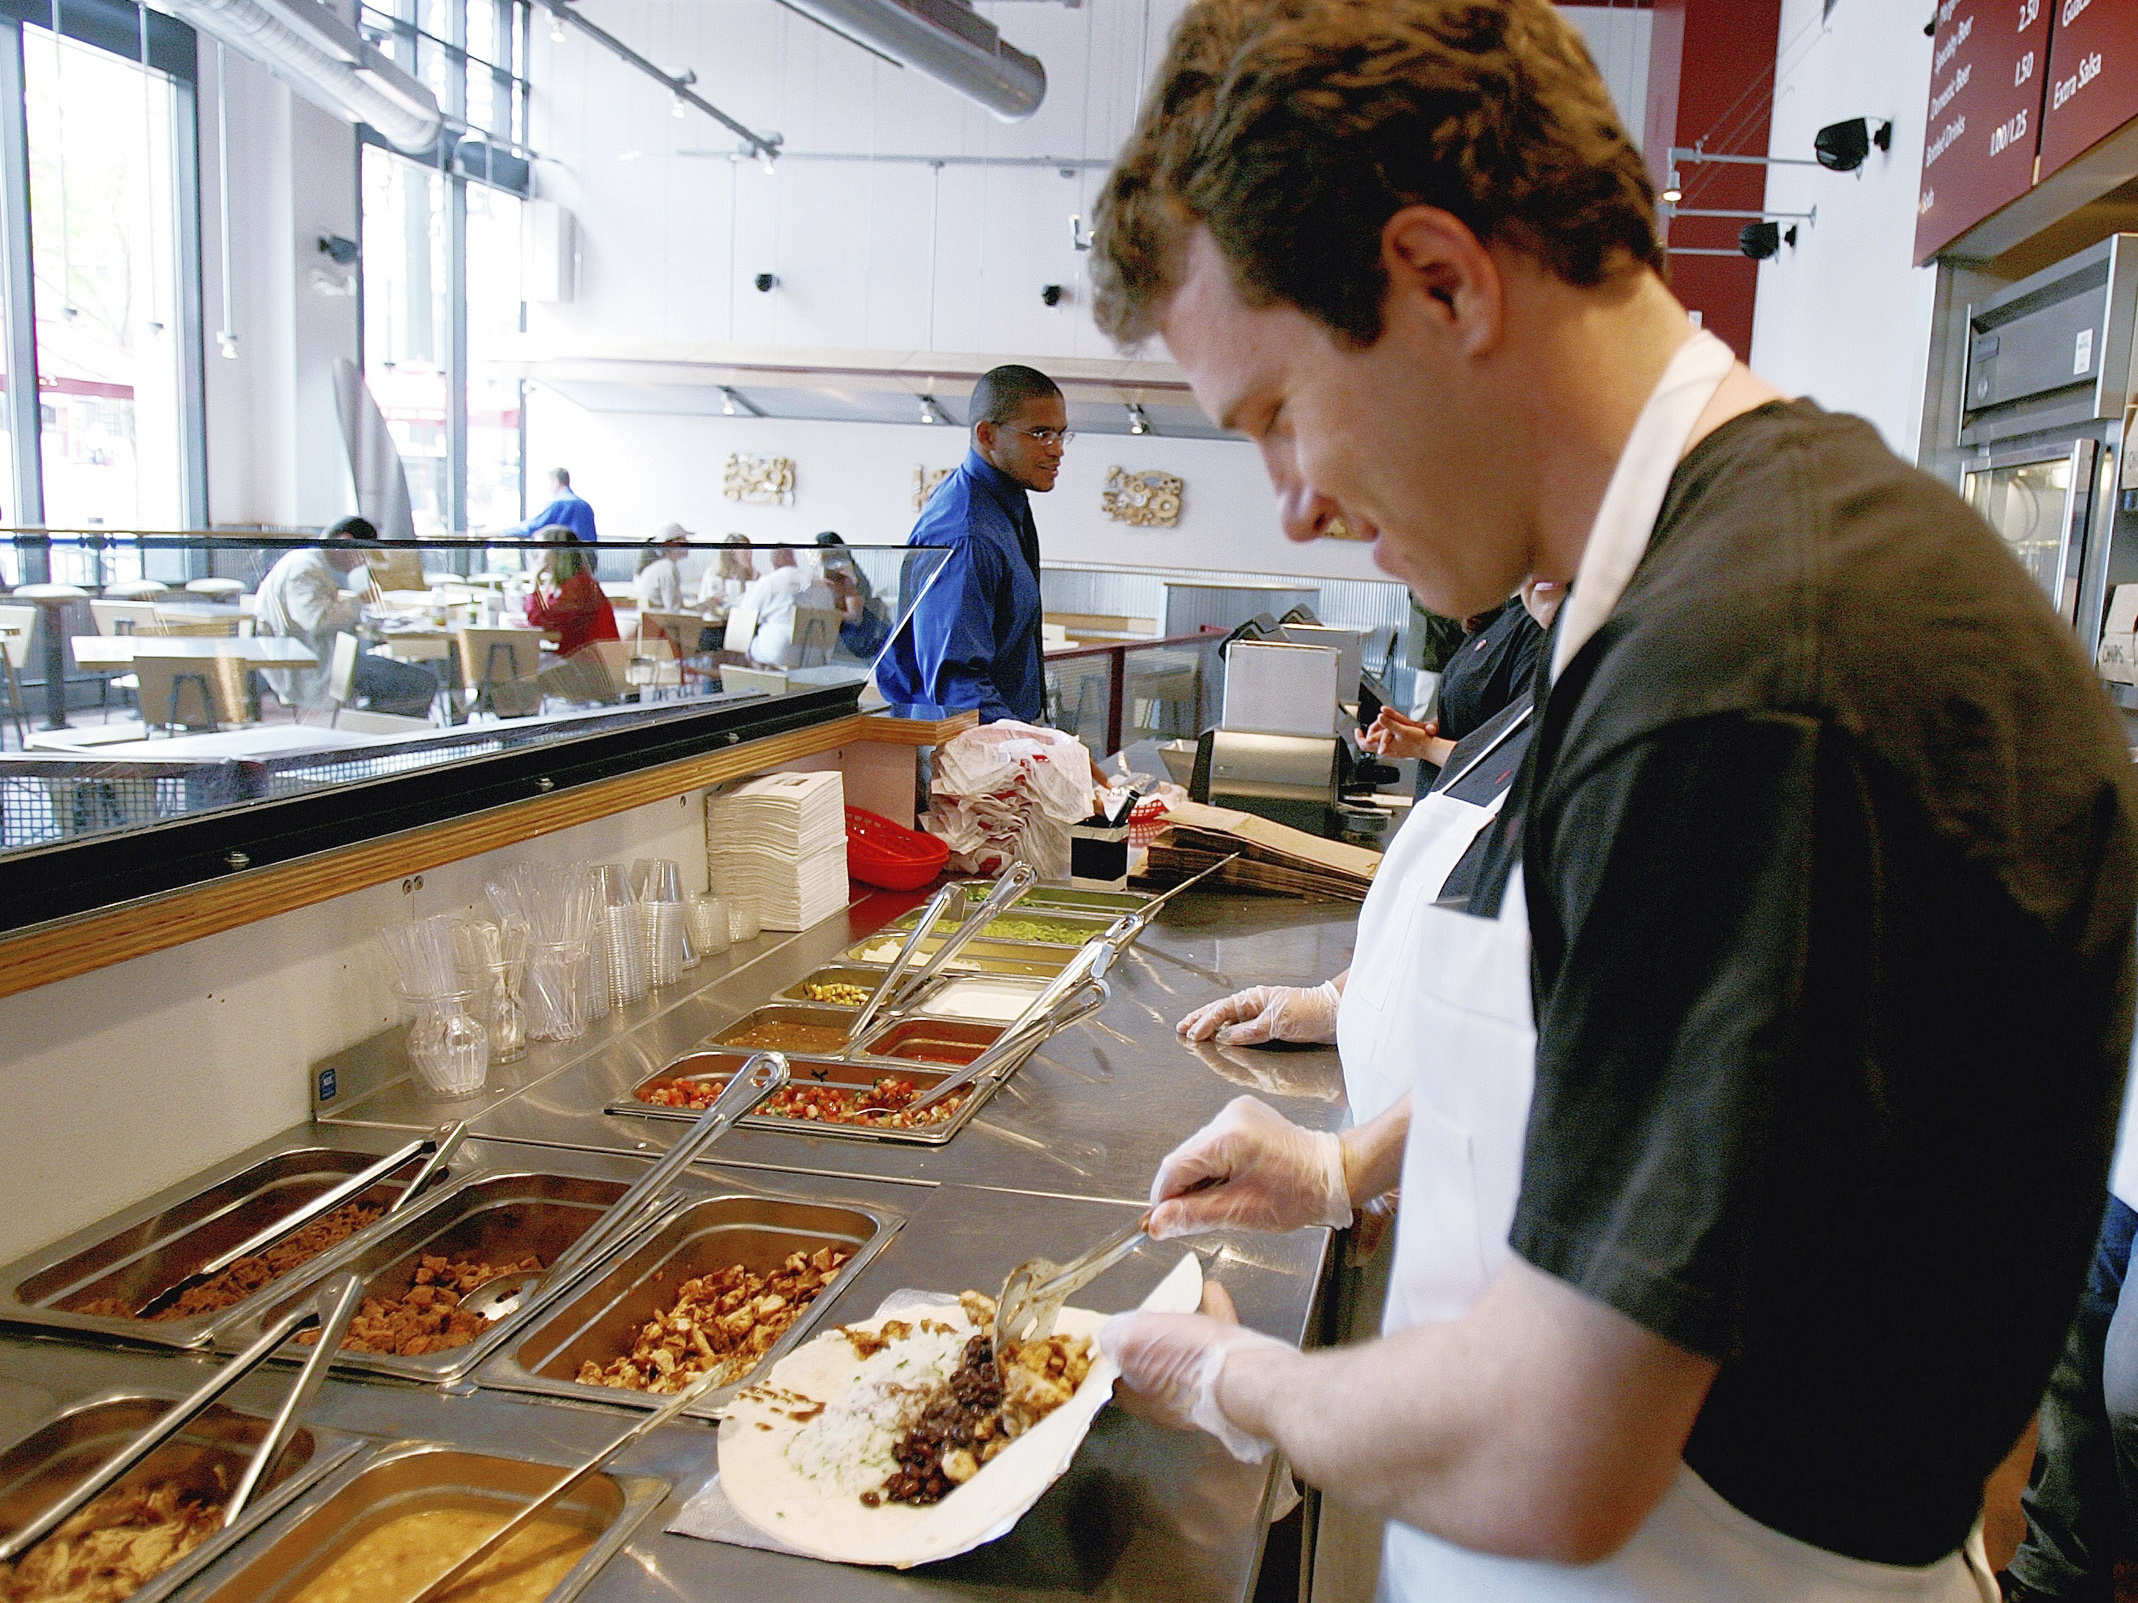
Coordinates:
[1268,1013]
[1260,1170]
[1170,1363]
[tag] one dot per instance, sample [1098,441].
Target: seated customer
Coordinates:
[774,599]
[723,583]
[659,583]
[302,598]
[864,626]
[568,602]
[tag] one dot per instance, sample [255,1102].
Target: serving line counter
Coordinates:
[1055,1161]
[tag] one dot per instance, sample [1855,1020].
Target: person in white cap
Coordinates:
[659,583]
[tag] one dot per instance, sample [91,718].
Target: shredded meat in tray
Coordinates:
[725,1321]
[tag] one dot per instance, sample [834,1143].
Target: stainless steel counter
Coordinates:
[1055,1161]
[1090,1115]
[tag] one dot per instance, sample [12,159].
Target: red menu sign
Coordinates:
[2093,77]
[1987,64]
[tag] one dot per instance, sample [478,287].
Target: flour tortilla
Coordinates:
[828,1523]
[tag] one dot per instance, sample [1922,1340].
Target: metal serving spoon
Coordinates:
[763,1074]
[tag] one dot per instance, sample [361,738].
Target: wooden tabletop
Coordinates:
[255,651]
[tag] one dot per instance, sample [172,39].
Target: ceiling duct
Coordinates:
[947,40]
[316,53]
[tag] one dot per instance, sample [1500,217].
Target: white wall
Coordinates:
[1843,317]
[643,470]
[120,1082]
[274,449]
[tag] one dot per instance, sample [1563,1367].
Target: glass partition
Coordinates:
[286,668]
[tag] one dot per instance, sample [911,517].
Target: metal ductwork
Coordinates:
[947,40]
[320,56]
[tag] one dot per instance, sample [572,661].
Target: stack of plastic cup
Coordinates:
[742,917]
[658,882]
[622,937]
[708,923]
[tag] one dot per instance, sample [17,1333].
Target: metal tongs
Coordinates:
[897,985]
[1142,916]
[440,1144]
[763,1074]
[1075,993]
[1033,1295]
[331,1308]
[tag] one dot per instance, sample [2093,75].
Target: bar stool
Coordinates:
[216,589]
[54,598]
[17,624]
[136,590]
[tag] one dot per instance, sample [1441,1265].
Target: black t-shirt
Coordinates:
[1828,854]
[1488,670]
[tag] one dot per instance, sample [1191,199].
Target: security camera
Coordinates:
[1842,146]
[764,283]
[1761,240]
[1051,294]
[342,252]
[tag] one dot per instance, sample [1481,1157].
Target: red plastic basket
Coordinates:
[879,852]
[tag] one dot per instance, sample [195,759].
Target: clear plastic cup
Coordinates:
[447,1044]
[556,991]
[743,922]
[708,916]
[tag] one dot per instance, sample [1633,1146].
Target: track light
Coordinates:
[1674,191]
[928,412]
[556,29]
[1842,146]
[229,344]
[1762,240]
[1137,422]
[727,401]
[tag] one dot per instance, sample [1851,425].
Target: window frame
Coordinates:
[135,33]
[462,155]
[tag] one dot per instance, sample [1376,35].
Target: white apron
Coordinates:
[1375,1023]
[1468,1039]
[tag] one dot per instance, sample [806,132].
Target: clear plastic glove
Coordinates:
[1170,1363]
[1268,1013]
[1250,1168]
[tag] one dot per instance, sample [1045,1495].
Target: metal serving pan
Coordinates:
[964,1039]
[501,1218]
[1087,924]
[863,975]
[156,1244]
[773,1016]
[602,1314]
[212,1450]
[981,957]
[1109,904]
[409,1477]
[711,1070]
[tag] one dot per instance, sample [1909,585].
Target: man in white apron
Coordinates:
[1772,1035]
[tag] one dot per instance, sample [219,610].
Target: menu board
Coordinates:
[2092,87]
[1988,63]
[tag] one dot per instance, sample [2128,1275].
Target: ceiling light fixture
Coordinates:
[1137,422]
[1674,191]
[556,29]
[928,412]
[727,401]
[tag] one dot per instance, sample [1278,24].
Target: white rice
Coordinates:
[848,1446]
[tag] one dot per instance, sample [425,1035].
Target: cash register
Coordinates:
[1282,747]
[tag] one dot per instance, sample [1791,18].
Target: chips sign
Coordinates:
[1988,63]
[2092,86]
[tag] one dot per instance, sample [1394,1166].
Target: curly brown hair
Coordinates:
[1294,129]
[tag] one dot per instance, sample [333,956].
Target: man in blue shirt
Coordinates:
[565,509]
[973,637]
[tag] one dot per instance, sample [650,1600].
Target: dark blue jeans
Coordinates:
[2082,1498]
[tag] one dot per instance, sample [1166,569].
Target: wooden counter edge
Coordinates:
[69,947]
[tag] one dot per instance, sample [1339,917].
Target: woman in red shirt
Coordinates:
[567,601]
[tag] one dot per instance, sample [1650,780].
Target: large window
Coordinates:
[99,289]
[110,341]
[442,286]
